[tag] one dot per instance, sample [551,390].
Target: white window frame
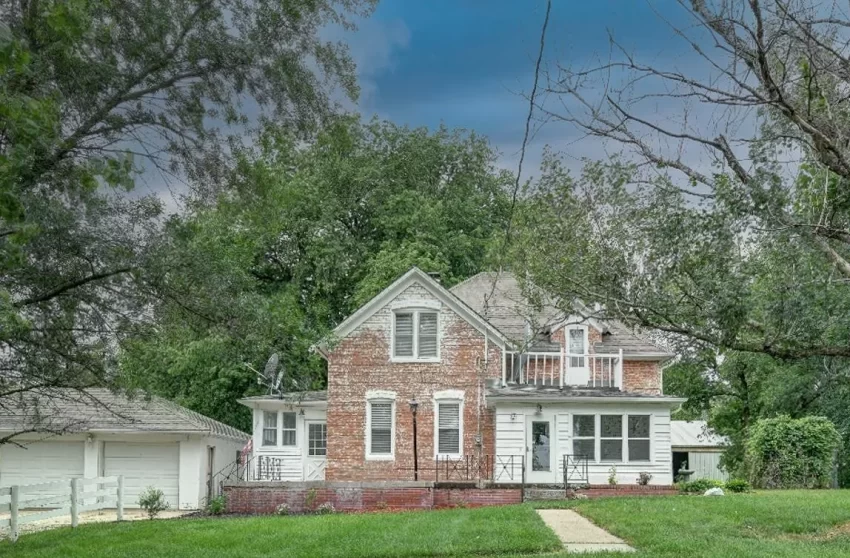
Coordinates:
[622,437]
[283,429]
[597,436]
[627,438]
[324,425]
[380,396]
[416,311]
[571,355]
[276,429]
[450,397]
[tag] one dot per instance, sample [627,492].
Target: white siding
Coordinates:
[510,437]
[292,458]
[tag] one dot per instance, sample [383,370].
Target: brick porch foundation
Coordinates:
[264,497]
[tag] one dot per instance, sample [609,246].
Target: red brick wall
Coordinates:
[641,377]
[362,362]
[264,498]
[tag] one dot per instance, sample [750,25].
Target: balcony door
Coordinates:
[578,367]
[541,450]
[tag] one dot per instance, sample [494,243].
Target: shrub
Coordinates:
[644,478]
[310,499]
[282,509]
[792,453]
[737,485]
[217,505]
[152,500]
[699,486]
[612,476]
[325,509]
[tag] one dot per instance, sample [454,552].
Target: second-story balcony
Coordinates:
[563,369]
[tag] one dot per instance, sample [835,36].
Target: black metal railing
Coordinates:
[576,470]
[501,468]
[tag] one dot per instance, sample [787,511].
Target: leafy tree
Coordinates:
[302,236]
[91,92]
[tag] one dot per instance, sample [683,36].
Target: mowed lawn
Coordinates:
[764,524]
[814,523]
[458,532]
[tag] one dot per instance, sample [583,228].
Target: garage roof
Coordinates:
[100,410]
[694,434]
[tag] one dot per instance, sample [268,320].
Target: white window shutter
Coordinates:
[403,335]
[381,428]
[427,334]
[448,431]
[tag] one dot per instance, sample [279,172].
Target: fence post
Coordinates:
[75,512]
[523,478]
[13,521]
[119,504]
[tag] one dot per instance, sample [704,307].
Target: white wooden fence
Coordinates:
[34,502]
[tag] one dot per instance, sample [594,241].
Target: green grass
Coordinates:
[764,524]
[774,524]
[458,532]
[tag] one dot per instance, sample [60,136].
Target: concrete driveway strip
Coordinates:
[580,535]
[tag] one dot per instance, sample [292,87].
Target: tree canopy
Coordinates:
[301,237]
[91,94]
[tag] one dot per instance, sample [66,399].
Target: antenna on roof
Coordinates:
[271,376]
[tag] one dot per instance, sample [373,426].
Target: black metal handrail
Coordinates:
[576,469]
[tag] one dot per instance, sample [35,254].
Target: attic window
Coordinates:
[415,335]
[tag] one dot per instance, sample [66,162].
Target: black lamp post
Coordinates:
[414,406]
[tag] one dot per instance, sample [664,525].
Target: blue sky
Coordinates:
[465,62]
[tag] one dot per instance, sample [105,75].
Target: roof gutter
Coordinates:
[671,401]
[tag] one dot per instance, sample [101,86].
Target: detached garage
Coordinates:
[150,442]
[696,450]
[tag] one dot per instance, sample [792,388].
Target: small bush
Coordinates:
[310,499]
[737,485]
[699,486]
[282,509]
[644,478]
[325,509]
[152,500]
[792,453]
[217,505]
[612,476]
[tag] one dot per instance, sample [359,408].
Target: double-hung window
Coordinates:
[638,438]
[270,428]
[380,430]
[448,429]
[288,431]
[584,436]
[611,437]
[416,334]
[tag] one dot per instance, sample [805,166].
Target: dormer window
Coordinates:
[415,335]
[577,346]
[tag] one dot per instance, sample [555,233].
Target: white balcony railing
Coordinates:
[562,369]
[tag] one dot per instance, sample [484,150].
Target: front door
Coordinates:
[541,451]
[317,450]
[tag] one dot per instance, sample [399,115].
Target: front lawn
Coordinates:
[459,532]
[764,524]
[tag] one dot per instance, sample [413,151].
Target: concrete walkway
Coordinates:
[580,535]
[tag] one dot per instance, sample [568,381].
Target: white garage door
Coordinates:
[41,462]
[143,465]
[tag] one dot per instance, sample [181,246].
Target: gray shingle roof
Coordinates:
[102,410]
[498,297]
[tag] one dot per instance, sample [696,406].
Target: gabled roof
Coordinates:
[413,276]
[694,434]
[100,410]
[499,298]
